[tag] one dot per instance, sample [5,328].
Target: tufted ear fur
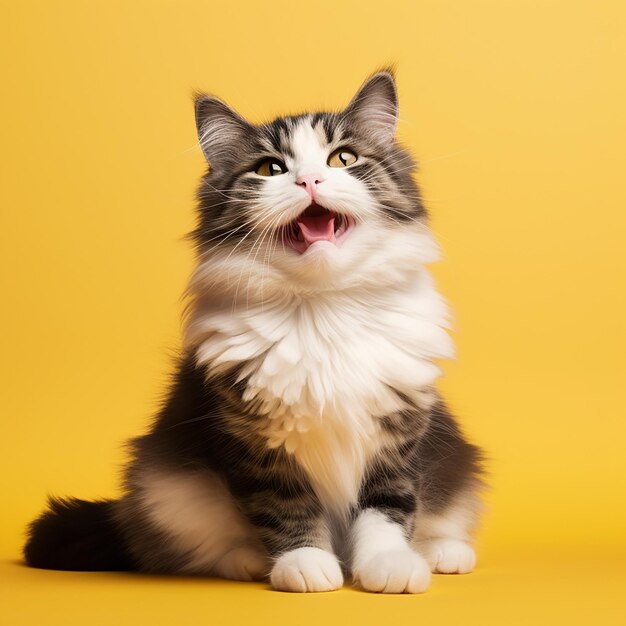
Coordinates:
[221,131]
[374,108]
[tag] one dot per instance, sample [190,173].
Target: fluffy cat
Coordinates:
[303,438]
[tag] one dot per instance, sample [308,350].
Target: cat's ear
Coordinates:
[374,108]
[221,131]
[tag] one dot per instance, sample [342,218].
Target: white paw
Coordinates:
[307,569]
[448,556]
[395,571]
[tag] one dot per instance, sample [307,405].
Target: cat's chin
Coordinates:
[321,266]
[320,258]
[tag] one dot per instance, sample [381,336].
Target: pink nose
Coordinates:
[310,181]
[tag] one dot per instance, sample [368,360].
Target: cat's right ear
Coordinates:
[375,106]
[221,130]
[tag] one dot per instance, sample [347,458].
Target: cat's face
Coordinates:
[318,201]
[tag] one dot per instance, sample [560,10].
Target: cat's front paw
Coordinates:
[448,556]
[395,571]
[307,569]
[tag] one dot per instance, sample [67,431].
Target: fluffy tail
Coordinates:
[77,535]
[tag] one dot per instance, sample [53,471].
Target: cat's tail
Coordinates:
[77,535]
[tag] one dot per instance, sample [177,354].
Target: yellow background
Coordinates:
[516,110]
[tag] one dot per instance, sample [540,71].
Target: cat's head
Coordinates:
[312,202]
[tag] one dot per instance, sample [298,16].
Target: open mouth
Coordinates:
[317,224]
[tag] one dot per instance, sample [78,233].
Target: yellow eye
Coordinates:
[341,158]
[271,167]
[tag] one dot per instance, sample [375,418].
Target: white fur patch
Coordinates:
[198,513]
[307,149]
[322,368]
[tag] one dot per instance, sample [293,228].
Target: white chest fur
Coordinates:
[322,369]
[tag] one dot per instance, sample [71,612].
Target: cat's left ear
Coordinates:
[374,108]
[221,131]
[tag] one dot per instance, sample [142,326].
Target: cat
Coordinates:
[303,438]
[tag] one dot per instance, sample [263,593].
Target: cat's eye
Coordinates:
[341,158]
[271,167]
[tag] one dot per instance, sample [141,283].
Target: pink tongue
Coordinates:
[317,228]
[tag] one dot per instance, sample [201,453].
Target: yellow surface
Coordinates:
[556,589]
[516,111]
